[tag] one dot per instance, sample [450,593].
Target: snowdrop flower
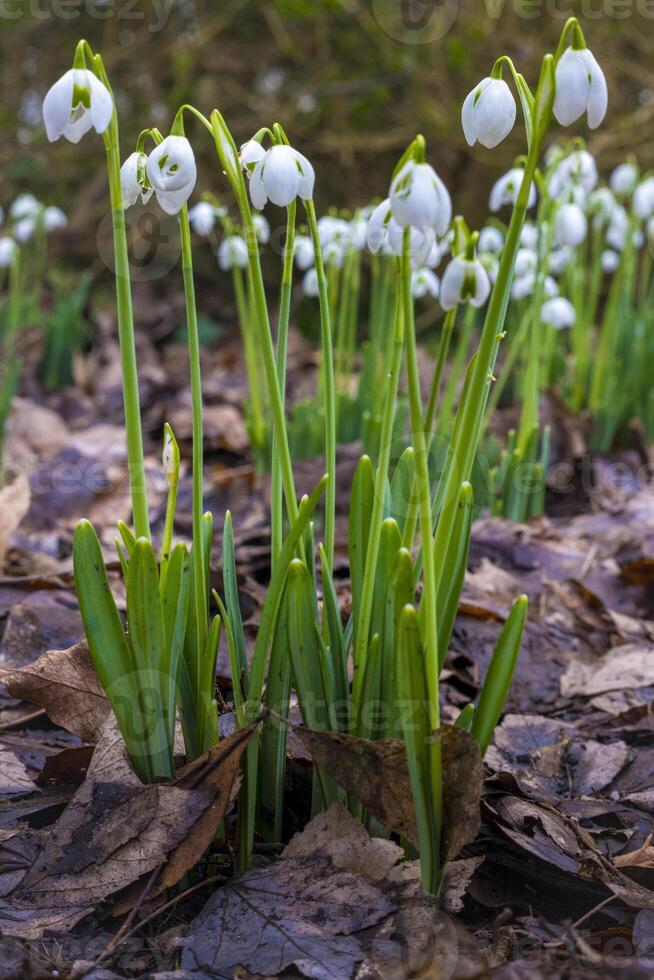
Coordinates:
[377,230]
[570,225]
[334,254]
[624,178]
[644,198]
[464,280]
[424,282]
[133,181]
[610,260]
[505,190]
[77,102]
[54,219]
[491,264]
[438,251]
[250,154]
[523,286]
[303,252]
[422,241]
[310,283]
[261,228]
[279,176]
[550,287]
[172,172]
[616,235]
[233,253]
[559,259]
[332,229]
[558,313]
[358,229]
[601,205]
[526,261]
[202,217]
[24,229]
[488,113]
[580,88]
[25,206]
[419,198]
[7,248]
[529,235]
[491,239]
[576,174]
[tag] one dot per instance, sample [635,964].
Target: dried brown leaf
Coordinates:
[14,504]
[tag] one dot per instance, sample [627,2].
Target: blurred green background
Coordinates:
[352,81]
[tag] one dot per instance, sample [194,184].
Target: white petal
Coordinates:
[172,202]
[494,113]
[280,175]
[599,96]
[171,165]
[102,104]
[78,126]
[129,186]
[468,114]
[572,87]
[444,207]
[57,105]
[307,177]
[376,232]
[251,152]
[258,194]
[452,283]
[482,284]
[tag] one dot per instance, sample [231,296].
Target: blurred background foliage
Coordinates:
[352,81]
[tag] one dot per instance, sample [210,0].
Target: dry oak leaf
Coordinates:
[625,667]
[14,777]
[14,505]
[377,773]
[64,683]
[116,831]
[643,857]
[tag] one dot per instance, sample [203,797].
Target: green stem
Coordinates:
[329,393]
[441,358]
[249,348]
[126,338]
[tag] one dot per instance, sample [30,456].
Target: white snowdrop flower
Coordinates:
[261,228]
[491,239]
[570,225]
[303,252]
[436,255]
[419,198]
[377,230]
[334,254]
[488,113]
[559,259]
[281,175]
[644,198]
[523,286]
[358,230]
[424,282]
[310,283]
[172,171]
[202,217]
[505,190]
[25,206]
[526,261]
[54,219]
[558,313]
[232,253]
[580,88]
[7,249]
[24,229]
[616,235]
[134,184]
[421,242]
[332,229]
[529,235]
[77,102]
[464,280]
[250,154]
[550,287]
[610,260]
[624,178]
[576,174]
[491,264]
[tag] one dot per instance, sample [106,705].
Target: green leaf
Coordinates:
[232,606]
[402,486]
[361,507]
[174,602]
[451,569]
[335,631]
[499,675]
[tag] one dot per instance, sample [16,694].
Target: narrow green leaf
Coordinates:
[451,569]
[361,507]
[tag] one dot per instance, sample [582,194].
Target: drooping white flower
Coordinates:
[54,219]
[250,154]
[616,235]
[421,242]
[559,259]
[526,261]
[624,178]
[580,88]
[488,113]
[25,206]
[424,282]
[310,283]
[558,313]
[550,286]
[491,239]
[134,184]
[575,175]
[303,252]
[600,206]
[232,253]
[202,217]
[644,199]
[7,249]
[261,228]
[464,280]
[331,228]
[437,253]
[505,190]
[279,176]
[523,286]
[172,172]
[610,260]
[529,235]
[570,225]
[419,198]
[77,102]
[24,229]
[334,254]
[377,230]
